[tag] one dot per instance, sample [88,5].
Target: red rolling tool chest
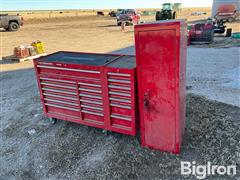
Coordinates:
[161,68]
[92,89]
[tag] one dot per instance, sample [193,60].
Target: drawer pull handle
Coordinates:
[120,81]
[91,102]
[57,80]
[64,97]
[119,87]
[56,85]
[119,74]
[122,94]
[91,96]
[87,84]
[90,90]
[121,106]
[121,117]
[63,107]
[120,100]
[54,90]
[89,112]
[92,107]
[63,102]
[68,69]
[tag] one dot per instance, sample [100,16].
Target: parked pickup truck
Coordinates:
[129,16]
[10,22]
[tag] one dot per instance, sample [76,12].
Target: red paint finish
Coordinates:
[98,95]
[161,63]
[121,98]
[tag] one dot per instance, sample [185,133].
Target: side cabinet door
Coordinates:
[156,79]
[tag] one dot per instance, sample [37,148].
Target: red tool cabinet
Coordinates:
[92,89]
[161,67]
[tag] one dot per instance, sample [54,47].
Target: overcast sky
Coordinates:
[93,4]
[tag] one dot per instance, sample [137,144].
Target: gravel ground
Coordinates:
[220,42]
[32,148]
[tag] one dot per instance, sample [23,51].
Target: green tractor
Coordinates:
[166,13]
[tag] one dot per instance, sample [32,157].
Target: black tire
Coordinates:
[231,19]
[139,138]
[229,32]
[158,16]
[129,23]
[212,37]
[13,26]
[53,120]
[106,132]
[174,16]
[208,36]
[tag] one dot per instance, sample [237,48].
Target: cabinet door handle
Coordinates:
[146,99]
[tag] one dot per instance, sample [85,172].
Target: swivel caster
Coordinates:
[53,120]
[139,137]
[106,132]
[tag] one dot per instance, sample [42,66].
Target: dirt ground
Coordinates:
[32,148]
[87,33]
[96,34]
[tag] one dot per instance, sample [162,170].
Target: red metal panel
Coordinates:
[161,80]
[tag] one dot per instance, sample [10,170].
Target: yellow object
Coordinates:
[39,47]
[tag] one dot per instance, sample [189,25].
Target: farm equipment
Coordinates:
[112,14]
[227,13]
[219,27]
[201,33]
[166,13]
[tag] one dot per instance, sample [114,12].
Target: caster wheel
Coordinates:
[139,138]
[53,120]
[106,132]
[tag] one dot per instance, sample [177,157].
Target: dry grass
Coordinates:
[84,32]
[36,15]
